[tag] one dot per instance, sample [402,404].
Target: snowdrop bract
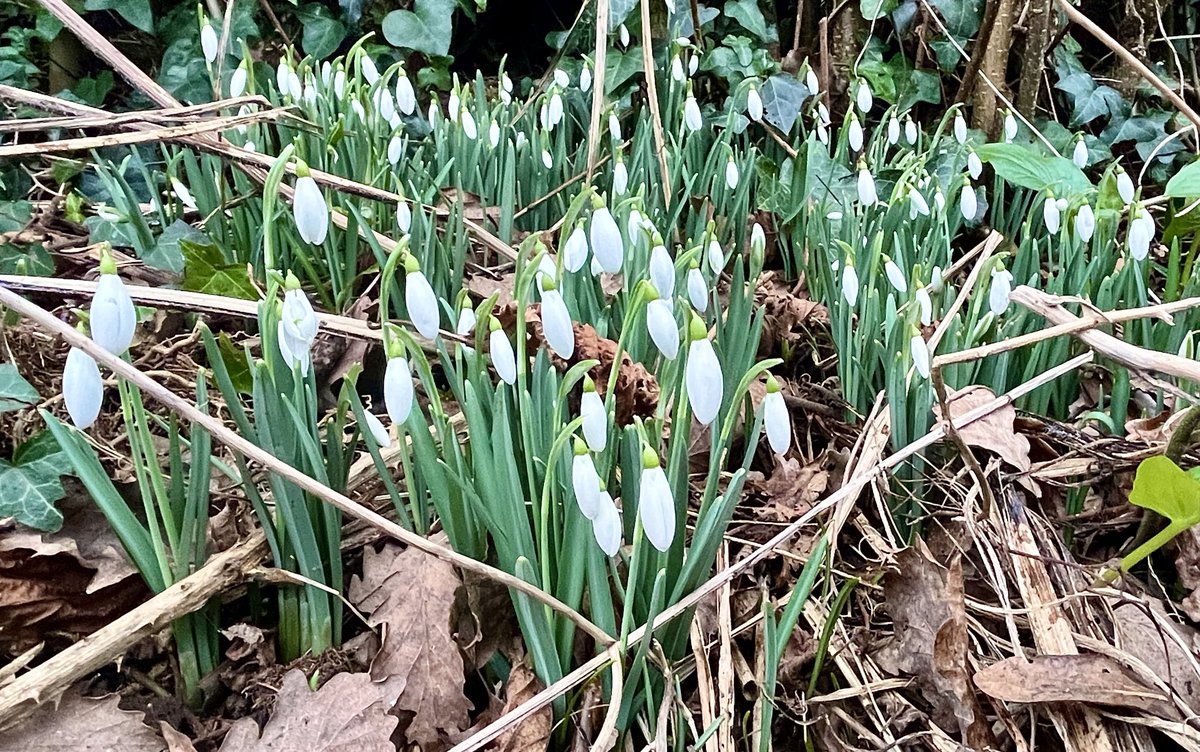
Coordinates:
[82,388]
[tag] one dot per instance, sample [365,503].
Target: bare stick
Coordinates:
[660,145]
[49,680]
[264,458]
[597,86]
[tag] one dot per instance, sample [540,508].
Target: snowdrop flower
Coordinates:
[691,112]
[998,292]
[182,193]
[715,255]
[606,525]
[634,224]
[561,78]
[866,186]
[920,354]
[697,289]
[378,432]
[703,378]
[823,134]
[677,69]
[504,360]
[974,165]
[606,238]
[406,95]
[1140,233]
[237,82]
[862,97]
[294,89]
[1124,185]
[310,94]
[309,208]
[731,174]
[403,216]
[357,108]
[620,178]
[662,269]
[1051,215]
[297,326]
[895,276]
[1079,155]
[1010,127]
[208,42]
[623,35]
[656,503]
[547,159]
[855,136]
[398,388]
[554,111]
[466,319]
[693,63]
[758,240]
[754,104]
[614,127]
[282,71]
[811,81]
[339,83]
[893,131]
[585,481]
[939,199]
[556,321]
[395,149]
[968,204]
[82,388]
[936,280]
[910,131]
[822,113]
[506,84]
[420,299]
[918,206]
[435,113]
[925,305]
[575,250]
[660,323]
[467,122]
[585,78]
[1085,222]
[369,71]
[249,146]
[960,128]
[112,316]
[595,417]
[776,418]
[849,283]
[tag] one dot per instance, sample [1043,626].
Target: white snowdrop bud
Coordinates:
[547,159]
[866,187]
[656,503]
[357,108]
[620,180]
[112,316]
[776,418]
[1085,223]
[754,104]
[677,69]
[294,89]
[466,321]
[662,270]
[297,327]
[606,239]
[370,72]
[910,131]
[1140,233]
[623,35]
[467,122]
[863,97]
[420,299]
[715,255]
[939,199]
[556,323]
[960,128]
[503,358]
[968,204]
[606,525]
[812,82]
[691,114]
[376,429]
[406,95]
[693,64]
[585,78]
[974,165]
[1124,185]
[998,292]
[398,389]
[506,83]
[855,134]
[182,193]
[758,239]
[595,417]
[893,131]
[237,81]
[697,289]
[494,134]
[925,305]
[575,250]
[918,206]
[208,42]
[614,127]
[384,103]
[660,323]
[339,83]
[1051,215]
[849,284]
[395,149]
[309,208]
[731,174]
[1079,155]
[561,78]
[920,354]
[895,276]
[82,388]
[585,482]
[1010,127]
[555,110]
[403,217]
[703,377]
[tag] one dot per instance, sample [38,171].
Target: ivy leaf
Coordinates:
[322,32]
[136,12]
[782,96]
[1185,183]
[873,10]
[426,28]
[618,11]
[1089,101]
[166,254]
[15,392]
[1021,165]
[748,14]
[206,271]
[30,485]
[32,259]
[1162,486]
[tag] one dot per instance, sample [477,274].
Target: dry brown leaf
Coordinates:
[484,620]
[176,741]
[993,432]
[1144,637]
[348,714]
[926,603]
[82,724]
[472,206]
[411,594]
[1086,677]
[85,536]
[532,733]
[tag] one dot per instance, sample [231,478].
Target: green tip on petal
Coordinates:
[291,282]
[772,384]
[107,264]
[548,283]
[597,202]
[649,458]
[494,324]
[302,170]
[580,447]
[588,384]
[647,291]
[696,328]
[411,264]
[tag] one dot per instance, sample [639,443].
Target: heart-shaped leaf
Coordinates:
[782,96]
[1162,486]
[15,392]
[426,28]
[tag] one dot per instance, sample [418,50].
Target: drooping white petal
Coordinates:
[1051,216]
[370,72]
[731,175]
[294,90]
[974,165]
[925,305]
[556,323]
[385,104]
[555,110]
[758,238]
[298,317]
[585,79]
[614,127]
[606,525]
[503,358]
[920,355]
[1079,155]
[893,130]
[866,188]
[82,388]
[705,383]
[547,159]
[113,317]
[664,332]
[585,482]
[623,35]
[967,203]
[620,181]
[576,250]
[466,321]
[697,290]
[422,304]
[850,284]
[656,507]
[403,217]
[754,105]
[606,240]
[777,421]
[863,97]
[1140,233]
[677,69]
[595,421]
[237,82]
[296,352]
[395,149]
[910,131]
[311,211]
[855,135]
[918,205]
[998,293]
[716,256]
[378,432]
[208,42]
[1010,128]
[494,134]
[895,276]
[1085,223]
[406,95]
[1125,186]
[561,78]
[339,83]
[691,114]
[693,64]
[812,82]
[398,389]
[960,128]
[662,271]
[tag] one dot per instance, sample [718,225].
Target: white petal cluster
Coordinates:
[998,291]
[82,388]
[310,211]
[297,329]
[398,389]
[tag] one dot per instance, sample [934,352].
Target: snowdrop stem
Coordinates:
[544,535]
[387,279]
[270,196]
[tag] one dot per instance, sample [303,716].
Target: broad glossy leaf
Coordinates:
[15,392]
[30,485]
[206,271]
[748,14]
[1162,486]
[136,12]
[782,97]
[1021,165]
[873,10]
[1185,183]
[426,28]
